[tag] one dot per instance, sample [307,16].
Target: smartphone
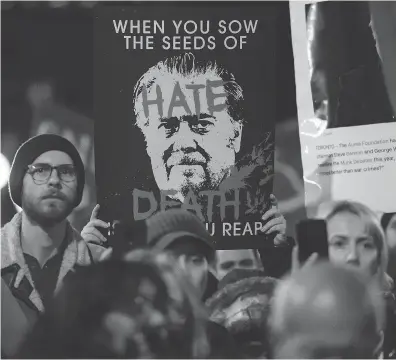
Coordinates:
[312,238]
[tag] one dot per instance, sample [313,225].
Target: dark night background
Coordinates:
[54,43]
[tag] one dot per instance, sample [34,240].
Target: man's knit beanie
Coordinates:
[165,227]
[31,150]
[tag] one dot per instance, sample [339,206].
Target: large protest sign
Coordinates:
[346,120]
[185,111]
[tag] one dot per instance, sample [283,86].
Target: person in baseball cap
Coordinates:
[39,246]
[184,235]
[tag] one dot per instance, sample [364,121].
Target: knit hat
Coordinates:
[165,227]
[31,150]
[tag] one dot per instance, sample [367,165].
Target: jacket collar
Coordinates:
[11,253]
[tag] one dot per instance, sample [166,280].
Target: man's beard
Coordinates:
[192,157]
[46,219]
[189,186]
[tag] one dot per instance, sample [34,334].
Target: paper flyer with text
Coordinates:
[346,120]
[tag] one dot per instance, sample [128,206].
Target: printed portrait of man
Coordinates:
[191,116]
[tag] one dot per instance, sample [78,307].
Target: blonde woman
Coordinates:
[356,239]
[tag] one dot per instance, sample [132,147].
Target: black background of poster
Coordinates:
[121,161]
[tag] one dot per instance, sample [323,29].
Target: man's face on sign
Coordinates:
[190,147]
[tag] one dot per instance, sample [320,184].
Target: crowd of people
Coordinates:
[170,293]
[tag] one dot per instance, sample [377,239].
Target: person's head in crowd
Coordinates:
[326,311]
[116,309]
[228,260]
[175,279]
[242,305]
[221,343]
[356,239]
[388,223]
[190,113]
[181,291]
[184,236]
[47,179]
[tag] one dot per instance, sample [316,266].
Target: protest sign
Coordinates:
[185,112]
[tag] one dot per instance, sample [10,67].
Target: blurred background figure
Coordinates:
[388,223]
[242,305]
[326,311]
[46,87]
[181,291]
[228,260]
[119,309]
[183,236]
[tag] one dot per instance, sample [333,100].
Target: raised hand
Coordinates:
[90,233]
[275,223]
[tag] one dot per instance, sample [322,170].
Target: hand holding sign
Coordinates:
[275,222]
[90,233]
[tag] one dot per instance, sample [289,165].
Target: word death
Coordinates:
[145,203]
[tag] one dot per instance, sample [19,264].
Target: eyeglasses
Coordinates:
[42,172]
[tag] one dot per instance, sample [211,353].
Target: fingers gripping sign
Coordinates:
[275,222]
[90,232]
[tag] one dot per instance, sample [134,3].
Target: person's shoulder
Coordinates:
[12,226]
[10,235]
[221,342]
